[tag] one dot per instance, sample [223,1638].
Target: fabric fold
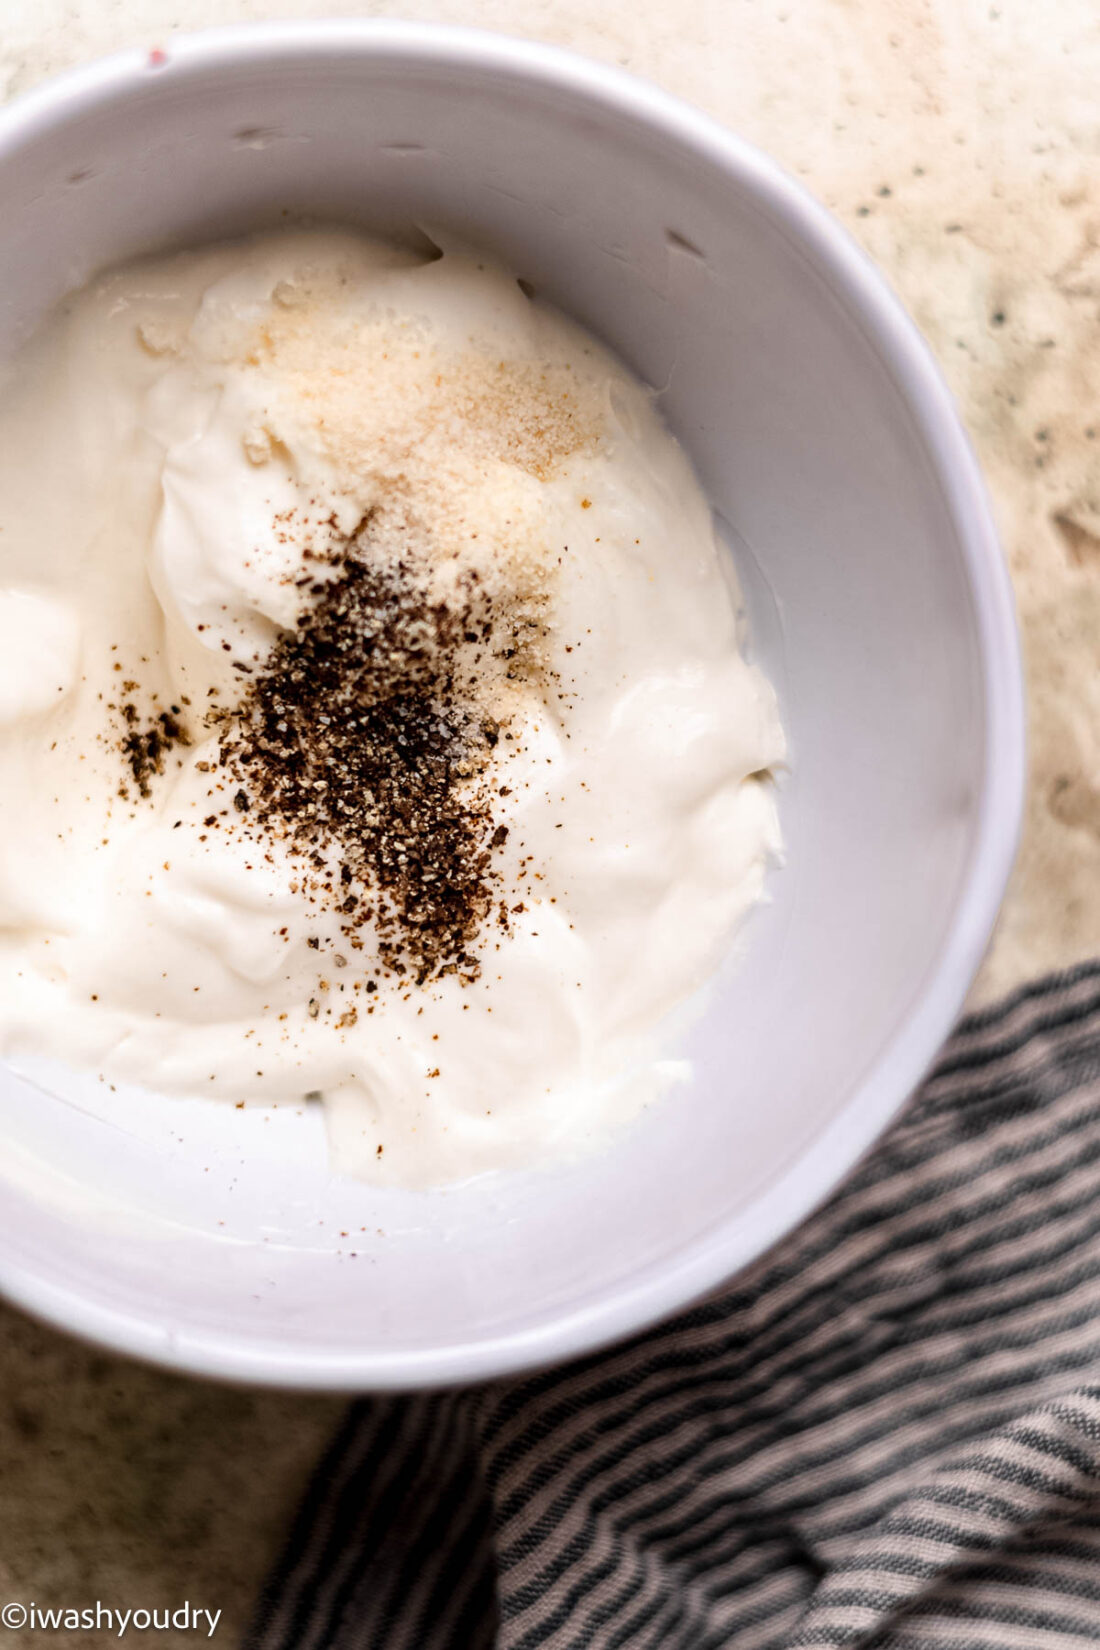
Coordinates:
[886,1434]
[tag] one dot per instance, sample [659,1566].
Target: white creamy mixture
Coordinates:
[189,456]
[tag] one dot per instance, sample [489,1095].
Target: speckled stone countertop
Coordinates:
[960,141]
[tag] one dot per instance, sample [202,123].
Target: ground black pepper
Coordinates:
[358,743]
[145,747]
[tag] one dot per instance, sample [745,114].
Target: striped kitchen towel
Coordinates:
[887,1434]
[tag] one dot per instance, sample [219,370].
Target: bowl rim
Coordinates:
[724,1251]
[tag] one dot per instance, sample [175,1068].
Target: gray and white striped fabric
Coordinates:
[887,1434]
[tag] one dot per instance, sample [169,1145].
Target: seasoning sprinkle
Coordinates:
[360,744]
[145,747]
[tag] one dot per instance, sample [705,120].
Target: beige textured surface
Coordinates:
[961,142]
[138,1489]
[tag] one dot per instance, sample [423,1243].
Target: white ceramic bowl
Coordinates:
[212,1239]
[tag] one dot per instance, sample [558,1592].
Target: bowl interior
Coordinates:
[218,1239]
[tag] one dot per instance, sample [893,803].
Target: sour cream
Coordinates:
[180,450]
